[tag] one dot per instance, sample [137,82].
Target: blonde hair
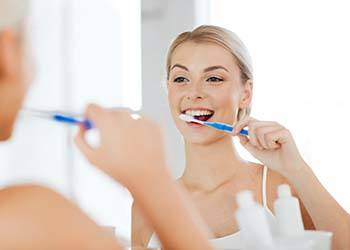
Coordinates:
[224,38]
[12,12]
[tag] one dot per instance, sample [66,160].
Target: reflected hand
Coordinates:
[130,150]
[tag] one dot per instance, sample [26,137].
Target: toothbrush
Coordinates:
[58,116]
[216,125]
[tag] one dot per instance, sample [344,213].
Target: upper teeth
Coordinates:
[198,112]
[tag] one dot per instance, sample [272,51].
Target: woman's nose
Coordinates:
[195,92]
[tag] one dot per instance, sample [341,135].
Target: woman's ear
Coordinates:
[8,55]
[247,93]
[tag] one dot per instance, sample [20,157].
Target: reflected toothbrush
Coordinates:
[58,116]
[216,125]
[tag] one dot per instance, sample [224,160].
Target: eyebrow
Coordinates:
[179,66]
[211,68]
[214,68]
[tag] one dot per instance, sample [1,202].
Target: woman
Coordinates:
[210,77]
[33,217]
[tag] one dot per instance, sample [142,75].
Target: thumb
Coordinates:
[94,113]
[244,140]
[83,146]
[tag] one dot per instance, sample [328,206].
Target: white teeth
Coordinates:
[198,112]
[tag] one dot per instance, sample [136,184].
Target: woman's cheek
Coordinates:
[174,103]
[226,99]
[171,98]
[227,105]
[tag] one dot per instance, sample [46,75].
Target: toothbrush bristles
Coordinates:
[186,118]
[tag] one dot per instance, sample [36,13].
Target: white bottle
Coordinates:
[255,232]
[288,215]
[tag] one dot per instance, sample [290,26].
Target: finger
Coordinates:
[252,126]
[241,124]
[243,139]
[261,133]
[136,115]
[247,123]
[123,120]
[121,109]
[245,142]
[249,120]
[278,137]
[258,123]
[122,113]
[95,113]
[83,146]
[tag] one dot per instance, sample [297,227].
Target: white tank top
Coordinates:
[232,240]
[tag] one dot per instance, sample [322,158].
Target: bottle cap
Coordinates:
[245,199]
[284,191]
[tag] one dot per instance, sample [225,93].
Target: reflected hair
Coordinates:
[12,13]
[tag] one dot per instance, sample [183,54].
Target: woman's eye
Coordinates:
[214,79]
[180,79]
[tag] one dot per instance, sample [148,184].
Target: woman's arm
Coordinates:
[324,210]
[274,180]
[141,233]
[274,146]
[131,152]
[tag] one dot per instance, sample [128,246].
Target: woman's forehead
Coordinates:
[202,55]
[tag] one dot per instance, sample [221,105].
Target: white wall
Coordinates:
[300,52]
[162,21]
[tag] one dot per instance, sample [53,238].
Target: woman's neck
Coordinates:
[209,166]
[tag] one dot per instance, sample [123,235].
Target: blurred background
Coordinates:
[113,52]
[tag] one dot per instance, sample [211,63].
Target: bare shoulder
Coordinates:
[22,193]
[22,197]
[36,216]
[141,232]
[33,199]
[274,179]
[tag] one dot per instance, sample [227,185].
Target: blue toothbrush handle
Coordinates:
[225,127]
[87,124]
[244,132]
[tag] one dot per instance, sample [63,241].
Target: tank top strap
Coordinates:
[263,188]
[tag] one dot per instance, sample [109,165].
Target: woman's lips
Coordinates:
[194,125]
[198,113]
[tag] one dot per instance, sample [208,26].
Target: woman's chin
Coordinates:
[199,134]
[202,138]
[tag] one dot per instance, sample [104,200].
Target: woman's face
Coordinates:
[205,82]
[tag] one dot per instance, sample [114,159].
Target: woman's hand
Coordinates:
[272,144]
[130,150]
